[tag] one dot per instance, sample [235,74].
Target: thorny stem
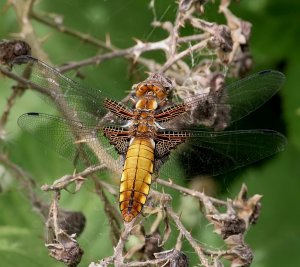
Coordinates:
[201,196]
[168,45]
[174,36]
[182,54]
[198,249]
[28,184]
[118,251]
[10,102]
[156,262]
[113,214]
[54,212]
[137,50]
[60,27]
[23,10]
[64,181]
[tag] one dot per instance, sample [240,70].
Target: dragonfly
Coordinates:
[138,137]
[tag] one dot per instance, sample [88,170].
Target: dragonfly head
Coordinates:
[156,84]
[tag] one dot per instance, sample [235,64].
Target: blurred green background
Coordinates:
[275,38]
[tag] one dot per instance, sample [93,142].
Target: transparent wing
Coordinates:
[239,98]
[73,100]
[248,94]
[213,153]
[71,139]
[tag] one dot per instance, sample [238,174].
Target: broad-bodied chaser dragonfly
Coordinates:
[150,130]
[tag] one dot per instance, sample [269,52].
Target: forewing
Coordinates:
[248,94]
[235,101]
[73,100]
[213,153]
[71,139]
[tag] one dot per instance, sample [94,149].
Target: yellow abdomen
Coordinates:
[136,177]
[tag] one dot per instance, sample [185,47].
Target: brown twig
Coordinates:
[115,220]
[28,183]
[135,52]
[42,18]
[10,102]
[64,181]
[199,195]
[118,251]
[27,32]
[183,54]
[198,249]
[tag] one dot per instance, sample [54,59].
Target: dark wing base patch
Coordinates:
[118,137]
[168,140]
[118,109]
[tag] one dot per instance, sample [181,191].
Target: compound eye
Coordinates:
[141,90]
[159,91]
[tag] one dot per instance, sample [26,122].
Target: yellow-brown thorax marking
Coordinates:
[139,162]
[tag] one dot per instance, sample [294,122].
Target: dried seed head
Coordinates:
[239,253]
[9,50]
[65,249]
[227,224]
[211,110]
[221,38]
[248,209]
[174,258]
[72,222]
[152,244]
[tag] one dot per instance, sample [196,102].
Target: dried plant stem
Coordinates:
[23,10]
[168,45]
[60,27]
[25,179]
[199,195]
[10,102]
[64,181]
[28,183]
[118,250]
[183,54]
[135,51]
[115,220]
[198,249]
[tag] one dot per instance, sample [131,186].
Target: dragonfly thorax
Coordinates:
[147,103]
[143,124]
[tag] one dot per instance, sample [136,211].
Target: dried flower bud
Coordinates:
[227,224]
[152,244]
[65,249]
[248,209]
[175,258]
[63,246]
[221,38]
[9,50]
[212,110]
[72,222]
[186,5]
[239,253]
